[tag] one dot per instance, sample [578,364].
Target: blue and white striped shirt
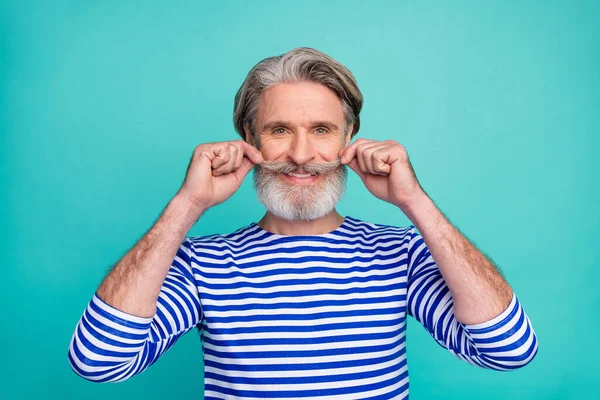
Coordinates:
[283,317]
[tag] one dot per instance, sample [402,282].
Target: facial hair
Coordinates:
[296,201]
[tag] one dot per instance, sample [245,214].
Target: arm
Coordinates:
[214,173]
[479,291]
[150,298]
[459,297]
[134,284]
[143,307]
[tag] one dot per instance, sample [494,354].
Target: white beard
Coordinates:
[299,202]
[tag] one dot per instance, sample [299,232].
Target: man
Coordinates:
[305,303]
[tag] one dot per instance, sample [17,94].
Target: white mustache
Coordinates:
[299,202]
[289,167]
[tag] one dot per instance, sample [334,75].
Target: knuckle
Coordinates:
[198,149]
[399,145]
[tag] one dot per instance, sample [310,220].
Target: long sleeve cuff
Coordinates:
[506,341]
[106,341]
[115,320]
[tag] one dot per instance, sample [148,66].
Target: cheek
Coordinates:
[330,150]
[273,149]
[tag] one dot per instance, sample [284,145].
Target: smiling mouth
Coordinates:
[297,175]
[301,178]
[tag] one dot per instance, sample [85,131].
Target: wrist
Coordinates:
[418,208]
[413,202]
[184,211]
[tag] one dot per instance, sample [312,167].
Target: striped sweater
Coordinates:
[285,317]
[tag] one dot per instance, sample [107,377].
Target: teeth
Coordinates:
[300,175]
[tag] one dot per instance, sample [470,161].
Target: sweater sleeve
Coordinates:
[505,342]
[109,345]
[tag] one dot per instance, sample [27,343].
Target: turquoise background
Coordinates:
[102,104]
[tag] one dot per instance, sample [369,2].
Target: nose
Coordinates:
[302,149]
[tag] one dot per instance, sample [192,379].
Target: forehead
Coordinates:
[297,102]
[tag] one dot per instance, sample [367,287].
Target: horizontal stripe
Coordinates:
[284,317]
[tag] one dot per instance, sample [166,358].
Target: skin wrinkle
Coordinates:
[298,110]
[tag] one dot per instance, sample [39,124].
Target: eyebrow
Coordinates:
[275,124]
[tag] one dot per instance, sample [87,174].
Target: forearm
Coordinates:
[479,291]
[134,284]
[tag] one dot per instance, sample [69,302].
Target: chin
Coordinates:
[299,214]
[294,201]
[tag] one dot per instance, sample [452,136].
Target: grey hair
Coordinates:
[302,64]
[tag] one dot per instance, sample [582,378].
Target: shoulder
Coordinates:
[235,238]
[376,229]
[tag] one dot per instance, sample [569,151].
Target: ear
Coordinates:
[348,136]
[249,135]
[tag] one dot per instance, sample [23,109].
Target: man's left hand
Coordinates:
[385,169]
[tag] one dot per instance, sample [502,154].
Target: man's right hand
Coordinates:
[216,171]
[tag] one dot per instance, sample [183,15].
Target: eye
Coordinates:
[321,130]
[279,130]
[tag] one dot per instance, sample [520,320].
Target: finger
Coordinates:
[222,156]
[252,152]
[377,159]
[230,164]
[366,153]
[381,161]
[353,165]
[362,162]
[349,152]
[239,158]
[243,170]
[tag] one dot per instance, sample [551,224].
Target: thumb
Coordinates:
[243,170]
[353,164]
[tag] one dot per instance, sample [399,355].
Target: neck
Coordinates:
[280,226]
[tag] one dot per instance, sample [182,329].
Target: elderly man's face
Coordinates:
[300,122]
[301,128]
